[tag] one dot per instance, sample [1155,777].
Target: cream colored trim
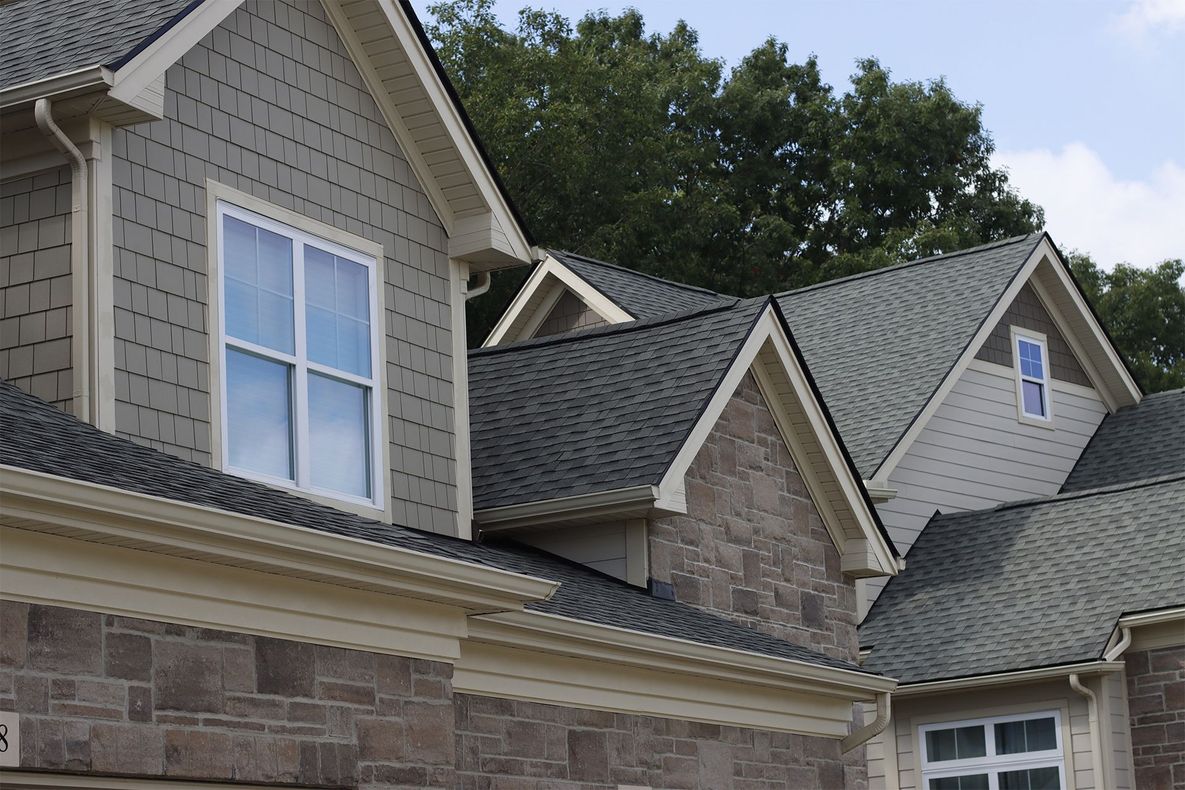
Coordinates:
[69,83]
[522,318]
[458,284]
[215,192]
[1117,389]
[1170,615]
[600,506]
[637,552]
[1019,332]
[879,491]
[1006,678]
[1149,630]
[102,250]
[27,780]
[60,571]
[102,514]
[557,660]
[1057,385]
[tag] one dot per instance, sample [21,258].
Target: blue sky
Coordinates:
[1085,98]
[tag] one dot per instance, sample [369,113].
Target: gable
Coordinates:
[569,313]
[1027,312]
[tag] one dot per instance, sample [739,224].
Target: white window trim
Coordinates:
[1037,338]
[220,197]
[993,764]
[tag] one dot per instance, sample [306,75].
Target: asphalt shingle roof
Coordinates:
[40,438]
[640,295]
[1029,584]
[598,409]
[40,39]
[1135,443]
[879,344]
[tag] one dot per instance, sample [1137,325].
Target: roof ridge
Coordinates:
[625,327]
[636,273]
[1066,496]
[907,264]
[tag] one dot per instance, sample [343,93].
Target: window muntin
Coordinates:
[299,349]
[1022,752]
[1032,370]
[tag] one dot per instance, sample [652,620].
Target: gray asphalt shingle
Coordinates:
[40,39]
[879,344]
[640,295]
[38,437]
[598,409]
[1135,443]
[1029,584]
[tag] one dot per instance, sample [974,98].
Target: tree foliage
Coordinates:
[1144,311]
[635,148]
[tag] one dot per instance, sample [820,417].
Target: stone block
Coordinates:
[382,740]
[430,732]
[285,668]
[64,640]
[187,676]
[127,749]
[128,656]
[588,756]
[198,754]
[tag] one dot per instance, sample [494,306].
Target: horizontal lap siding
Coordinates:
[270,104]
[974,453]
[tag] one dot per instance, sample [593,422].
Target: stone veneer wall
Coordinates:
[271,104]
[114,695]
[509,745]
[752,546]
[36,289]
[1156,702]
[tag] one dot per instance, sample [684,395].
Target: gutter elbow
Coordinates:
[483,284]
[874,728]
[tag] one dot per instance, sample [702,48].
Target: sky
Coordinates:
[1085,98]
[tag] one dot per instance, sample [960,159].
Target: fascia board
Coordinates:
[631,501]
[59,505]
[569,636]
[1006,678]
[83,80]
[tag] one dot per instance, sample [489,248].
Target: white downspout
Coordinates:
[1096,741]
[79,256]
[873,728]
[483,284]
[1125,640]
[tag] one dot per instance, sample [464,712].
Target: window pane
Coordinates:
[1033,735]
[258,288]
[1030,359]
[339,436]
[259,414]
[1031,779]
[956,744]
[972,782]
[1033,398]
[1040,735]
[338,294]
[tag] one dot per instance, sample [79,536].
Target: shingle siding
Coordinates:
[569,313]
[36,286]
[1027,312]
[270,104]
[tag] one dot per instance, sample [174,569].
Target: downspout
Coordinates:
[873,728]
[483,284]
[79,255]
[1096,741]
[1125,640]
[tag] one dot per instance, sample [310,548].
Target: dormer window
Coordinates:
[1032,376]
[299,359]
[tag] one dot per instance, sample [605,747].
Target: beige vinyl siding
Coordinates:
[911,713]
[975,453]
[601,547]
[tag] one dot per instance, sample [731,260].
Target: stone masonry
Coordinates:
[36,286]
[752,546]
[113,695]
[271,104]
[508,745]
[1156,702]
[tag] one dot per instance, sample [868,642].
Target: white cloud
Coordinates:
[1152,16]
[1087,208]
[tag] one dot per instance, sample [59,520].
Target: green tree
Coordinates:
[636,148]
[1144,311]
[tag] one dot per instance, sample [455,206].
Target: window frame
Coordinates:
[224,201]
[1038,339]
[992,764]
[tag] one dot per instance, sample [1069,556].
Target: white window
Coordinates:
[299,359]
[1002,753]
[1032,375]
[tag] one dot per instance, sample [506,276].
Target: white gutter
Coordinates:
[633,501]
[1096,741]
[79,256]
[78,81]
[1008,678]
[884,710]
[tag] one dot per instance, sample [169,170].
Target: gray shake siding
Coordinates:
[568,314]
[270,104]
[1027,312]
[35,285]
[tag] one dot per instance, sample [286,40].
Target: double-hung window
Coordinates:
[299,358]
[1002,753]
[1032,371]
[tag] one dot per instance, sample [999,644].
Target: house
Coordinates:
[1038,493]
[248,535]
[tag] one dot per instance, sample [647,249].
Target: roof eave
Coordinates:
[631,502]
